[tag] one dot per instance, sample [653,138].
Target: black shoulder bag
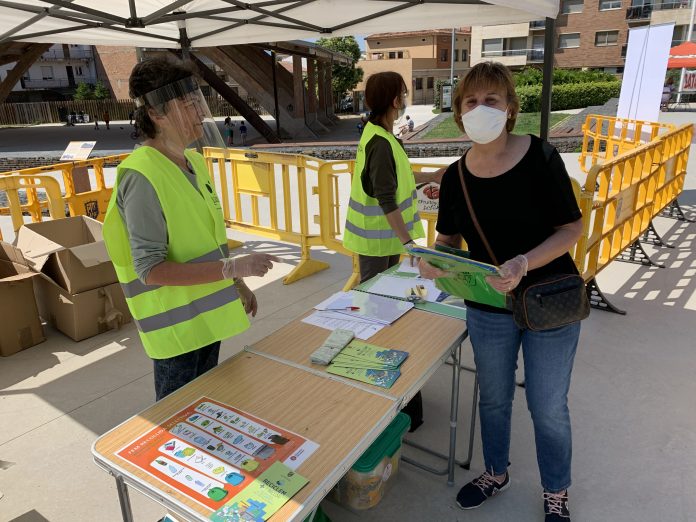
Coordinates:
[553,301]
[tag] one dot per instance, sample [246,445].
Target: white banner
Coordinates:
[644,73]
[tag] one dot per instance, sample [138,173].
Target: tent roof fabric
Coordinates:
[683,55]
[159,23]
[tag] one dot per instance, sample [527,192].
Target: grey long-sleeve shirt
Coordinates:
[141,212]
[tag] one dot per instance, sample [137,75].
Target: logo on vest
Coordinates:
[213,195]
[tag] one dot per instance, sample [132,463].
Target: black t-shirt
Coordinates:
[517,210]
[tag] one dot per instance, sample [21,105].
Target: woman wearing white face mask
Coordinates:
[522,198]
[382,216]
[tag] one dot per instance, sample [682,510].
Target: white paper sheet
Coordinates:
[401,286]
[370,307]
[332,320]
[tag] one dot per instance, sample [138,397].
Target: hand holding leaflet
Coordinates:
[463,277]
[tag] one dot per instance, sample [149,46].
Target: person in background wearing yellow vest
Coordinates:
[382,219]
[166,236]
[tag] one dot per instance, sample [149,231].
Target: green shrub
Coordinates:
[534,76]
[568,95]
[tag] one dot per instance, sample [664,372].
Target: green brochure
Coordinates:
[382,378]
[467,277]
[263,497]
[372,353]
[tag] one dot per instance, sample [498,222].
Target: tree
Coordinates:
[101,92]
[344,77]
[83,92]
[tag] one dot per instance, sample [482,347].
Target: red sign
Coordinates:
[689,81]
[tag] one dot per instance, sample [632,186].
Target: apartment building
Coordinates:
[421,57]
[55,74]
[589,34]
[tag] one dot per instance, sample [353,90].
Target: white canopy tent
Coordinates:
[206,23]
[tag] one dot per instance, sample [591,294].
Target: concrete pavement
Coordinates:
[631,403]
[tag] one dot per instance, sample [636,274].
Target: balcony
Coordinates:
[506,52]
[56,55]
[639,13]
[679,4]
[535,55]
[537,25]
[54,83]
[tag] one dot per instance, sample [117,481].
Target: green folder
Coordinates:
[467,277]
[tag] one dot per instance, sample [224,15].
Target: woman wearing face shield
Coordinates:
[382,219]
[166,236]
[523,199]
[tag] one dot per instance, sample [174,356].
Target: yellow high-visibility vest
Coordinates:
[367,230]
[173,320]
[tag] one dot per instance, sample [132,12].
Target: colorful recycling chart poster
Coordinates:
[263,497]
[211,452]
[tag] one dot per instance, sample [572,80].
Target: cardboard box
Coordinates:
[85,314]
[70,251]
[20,326]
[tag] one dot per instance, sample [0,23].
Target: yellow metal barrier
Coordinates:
[31,184]
[605,137]
[82,200]
[672,172]
[253,176]
[333,204]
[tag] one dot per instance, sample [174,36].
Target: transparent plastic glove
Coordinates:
[429,271]
[512,272]
[248,298]
[246,266]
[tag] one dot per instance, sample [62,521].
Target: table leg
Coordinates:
[123,499]
[454,408]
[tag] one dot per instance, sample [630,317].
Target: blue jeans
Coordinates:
[548,362]
[174,372]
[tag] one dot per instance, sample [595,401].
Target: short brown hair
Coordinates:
[481,76]
[380,90]
[149,75]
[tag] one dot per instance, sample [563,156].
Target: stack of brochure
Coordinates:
[368,363]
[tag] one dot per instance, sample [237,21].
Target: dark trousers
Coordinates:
[370,266]
[174,372]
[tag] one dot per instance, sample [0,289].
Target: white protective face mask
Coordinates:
[402,109]
[484,124]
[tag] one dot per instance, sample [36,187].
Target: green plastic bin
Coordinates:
[368,480]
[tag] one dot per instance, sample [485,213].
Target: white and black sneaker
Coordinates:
[481,489]
[556,507]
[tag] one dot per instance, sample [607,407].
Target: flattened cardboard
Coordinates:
[20,326]
[70,251]
[82,315]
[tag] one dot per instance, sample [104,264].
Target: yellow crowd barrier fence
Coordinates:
[605,137]
[28,184]
[82,199]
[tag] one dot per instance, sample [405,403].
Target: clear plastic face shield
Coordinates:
[182,116]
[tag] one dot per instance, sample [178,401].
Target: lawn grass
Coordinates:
[527,123]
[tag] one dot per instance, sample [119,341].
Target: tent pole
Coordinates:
[549,40]
[688,39]
[275,93]
[452,61]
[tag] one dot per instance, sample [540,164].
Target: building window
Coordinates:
[419,84]
[605,38]
[377,56]
[492,47]
[399,54]
[47,72]
[569,40]
[515,46]
[444,55]
[78,70]
[456,55]
[571,6]
[465,55]
[608,5]
[431,82]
